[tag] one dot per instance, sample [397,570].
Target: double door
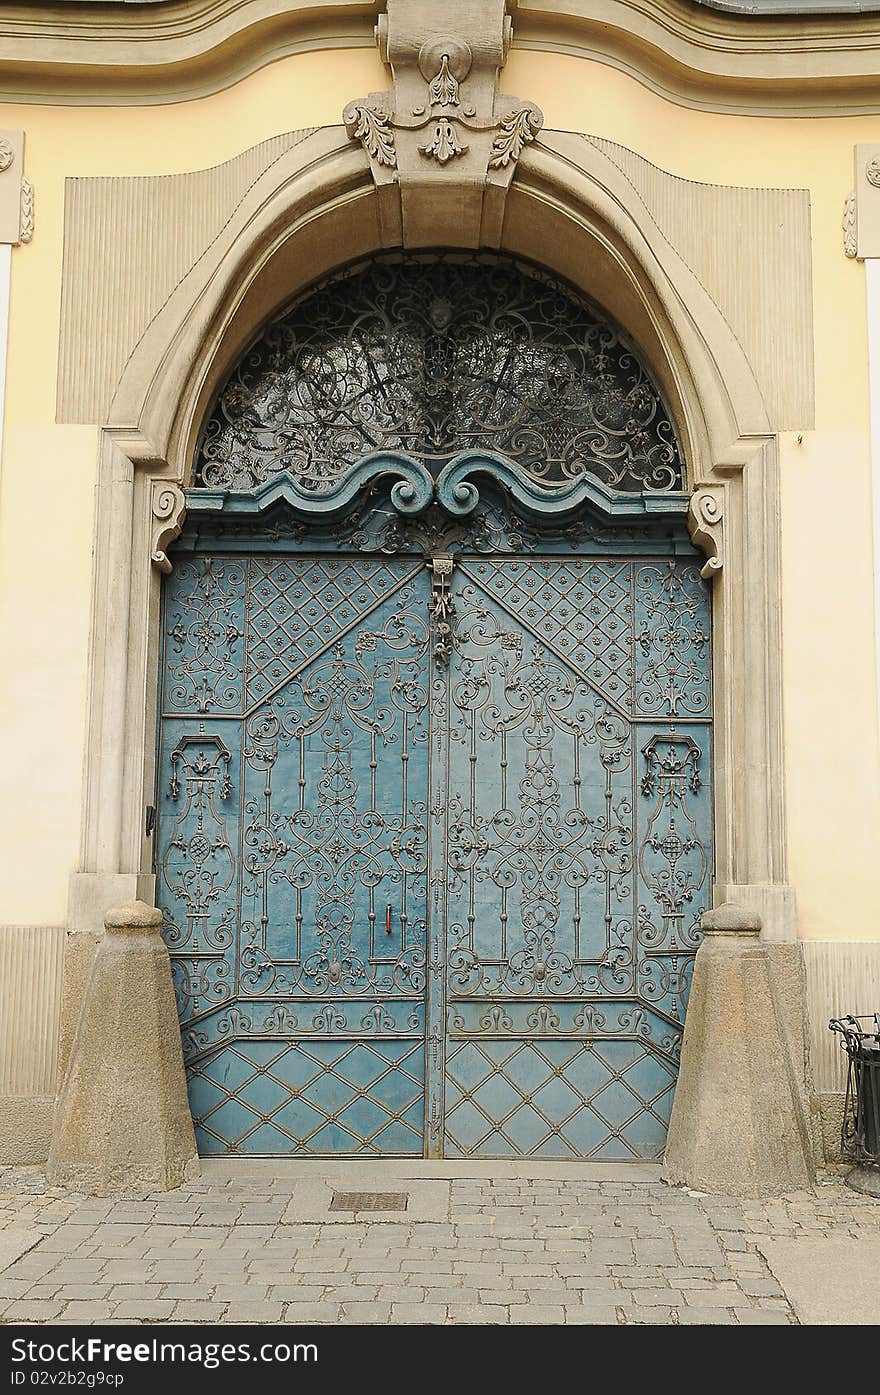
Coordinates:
[432,847]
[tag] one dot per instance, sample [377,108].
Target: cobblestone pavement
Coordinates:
[518,1243]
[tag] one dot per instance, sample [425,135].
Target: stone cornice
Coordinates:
[717,60]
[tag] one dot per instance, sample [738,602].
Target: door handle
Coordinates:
[388,919]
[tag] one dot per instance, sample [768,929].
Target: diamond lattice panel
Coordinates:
[319,1097]
[298,607]
[582,610]
[556,1099]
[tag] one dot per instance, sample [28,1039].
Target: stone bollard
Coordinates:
[122,1123]
[740,1124]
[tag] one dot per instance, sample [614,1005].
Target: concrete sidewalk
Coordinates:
[477,1243]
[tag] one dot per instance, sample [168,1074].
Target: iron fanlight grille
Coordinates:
[433,356]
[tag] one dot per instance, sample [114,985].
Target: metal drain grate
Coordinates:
[369,1201]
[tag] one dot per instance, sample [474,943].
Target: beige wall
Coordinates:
[831,747]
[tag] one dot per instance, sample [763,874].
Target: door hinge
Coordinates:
[150,820]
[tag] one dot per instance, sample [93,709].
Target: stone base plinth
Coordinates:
[740,1121]
[123,1122]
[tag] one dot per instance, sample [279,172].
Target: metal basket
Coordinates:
[860,1132]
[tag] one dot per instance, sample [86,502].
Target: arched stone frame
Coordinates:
[569,208]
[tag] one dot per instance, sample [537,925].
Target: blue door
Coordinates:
[432,855]
[574,848]
[292,858]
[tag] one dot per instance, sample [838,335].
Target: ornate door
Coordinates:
[572,855]
[434,832]
[292,848]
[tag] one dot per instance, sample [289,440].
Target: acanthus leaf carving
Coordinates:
[443,90]
[168,510]
[517,129]
[27,211]
[850,245]
[369,123]
[706,526]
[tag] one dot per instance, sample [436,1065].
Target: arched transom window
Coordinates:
[436,355]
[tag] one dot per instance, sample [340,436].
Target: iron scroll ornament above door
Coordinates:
[412,490]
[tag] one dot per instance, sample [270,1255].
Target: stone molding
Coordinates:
[706,527]
[767,305]
[730,919]
[138,275]
[707,59]
[444,107]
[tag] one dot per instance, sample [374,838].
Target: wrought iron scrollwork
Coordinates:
[442,609]
[432,356]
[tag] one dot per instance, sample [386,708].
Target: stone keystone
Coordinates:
[123,1122]
[738,1121]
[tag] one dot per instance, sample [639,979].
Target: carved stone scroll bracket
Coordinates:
[706,527]
[443,139]
[16,192]
[168,510]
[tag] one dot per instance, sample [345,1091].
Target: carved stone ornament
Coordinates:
[872,172]
[369,123]
[27,210]
[444,142]
[850,246]
[705,523]
[168,512]
[16,192]
[444,112]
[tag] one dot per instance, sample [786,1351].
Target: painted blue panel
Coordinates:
[577,843]
[203,634]
[291,848]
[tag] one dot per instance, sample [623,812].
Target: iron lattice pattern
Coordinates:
[556,1099]
[433,357]
[318,1097]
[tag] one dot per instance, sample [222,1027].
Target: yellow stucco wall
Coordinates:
[48,471]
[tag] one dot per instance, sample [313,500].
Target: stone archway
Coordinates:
[318,206]
[434,825]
